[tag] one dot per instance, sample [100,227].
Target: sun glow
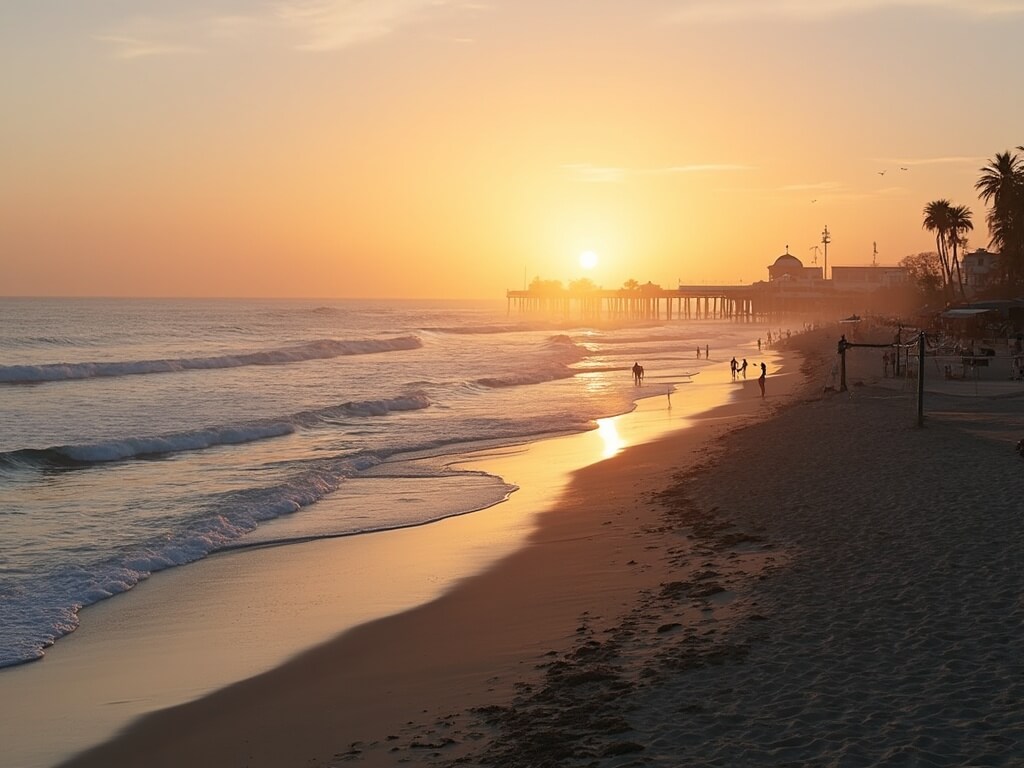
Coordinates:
[588,259]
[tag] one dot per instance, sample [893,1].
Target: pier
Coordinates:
[703,302]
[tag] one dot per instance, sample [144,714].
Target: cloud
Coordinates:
[321,25]
[606,174]
[950,160]
[128,47]
[334,24]
[732,10]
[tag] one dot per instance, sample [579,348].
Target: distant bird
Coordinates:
[814,200]
[881,173]
[903,168]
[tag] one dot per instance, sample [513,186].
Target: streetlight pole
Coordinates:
[826,238]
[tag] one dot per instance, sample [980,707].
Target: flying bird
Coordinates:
[814,200]
[881,173]
[902,168]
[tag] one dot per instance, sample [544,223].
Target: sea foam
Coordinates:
[314,350]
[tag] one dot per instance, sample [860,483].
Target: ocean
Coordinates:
[141,435]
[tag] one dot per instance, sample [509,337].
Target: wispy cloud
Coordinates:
[903,162]
[128,47]
[730,10]
[606,174]
[333,24]
[314,25]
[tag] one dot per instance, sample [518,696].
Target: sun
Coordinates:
[588,259]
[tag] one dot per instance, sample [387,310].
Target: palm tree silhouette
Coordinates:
[1002,185]
[937,219]
[959,223]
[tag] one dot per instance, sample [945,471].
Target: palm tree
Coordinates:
[1002,185]
[937,219]
[959,223]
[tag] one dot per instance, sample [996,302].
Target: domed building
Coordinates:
[789,267]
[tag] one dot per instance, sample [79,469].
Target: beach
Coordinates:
[809,579]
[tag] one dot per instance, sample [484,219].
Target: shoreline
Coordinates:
[821,583]
[157,611]
[832,586]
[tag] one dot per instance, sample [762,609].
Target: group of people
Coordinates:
[737,368]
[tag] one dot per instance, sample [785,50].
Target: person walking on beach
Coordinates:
[743,367]
[758,343]
[733,365]
[760,379]
[705,351]
[698,351]
[638,374]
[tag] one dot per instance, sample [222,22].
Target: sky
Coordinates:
[461,148]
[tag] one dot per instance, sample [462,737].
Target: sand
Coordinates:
[827,586]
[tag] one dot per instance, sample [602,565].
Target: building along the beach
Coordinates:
[792,289]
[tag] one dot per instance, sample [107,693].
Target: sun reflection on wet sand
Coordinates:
[610,437]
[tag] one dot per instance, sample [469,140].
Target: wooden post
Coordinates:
[920,380]
[842,364]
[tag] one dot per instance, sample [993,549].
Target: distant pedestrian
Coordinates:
[698,352]
[733,365]
[638,374]
[758,343]
[706,352]
[760,379]
[743,367]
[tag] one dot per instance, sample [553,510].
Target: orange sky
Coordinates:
[439,149]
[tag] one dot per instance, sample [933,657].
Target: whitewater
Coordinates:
[140,435]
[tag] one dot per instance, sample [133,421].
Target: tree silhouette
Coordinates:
[937,219]
[1001,185]
[583,284]
[959,223]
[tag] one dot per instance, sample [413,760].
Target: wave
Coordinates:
[563,353]
[473,330]
[42,341]
[688,339]
[78,585]
[321,349]
[122,449]
[523,378]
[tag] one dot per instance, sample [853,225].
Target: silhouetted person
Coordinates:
[743,367]
[638,373]
[733,365]
[705,351]
[761,378]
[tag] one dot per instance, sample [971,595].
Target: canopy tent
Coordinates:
[954,314]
